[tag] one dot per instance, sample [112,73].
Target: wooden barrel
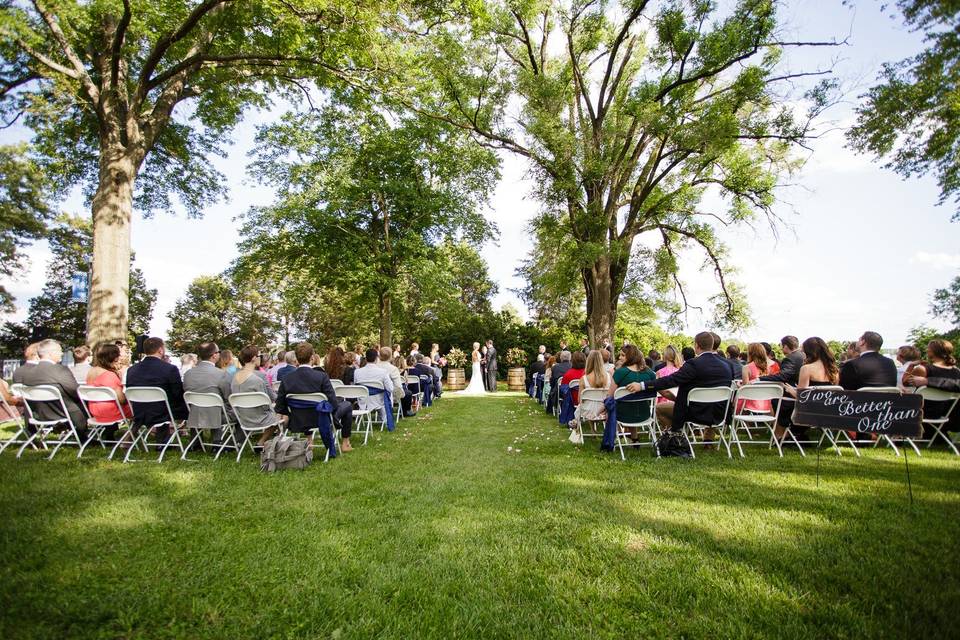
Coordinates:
[455,380]
[516,379]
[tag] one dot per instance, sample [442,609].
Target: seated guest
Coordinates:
[49,371]
[422,368]
[152,371]
[595,376]
[717,341]
[773,368]
[608,364]
[402,364]
[547,372]
[688,353]
[289,366]
[227,362]
[105,372]
[575,372]
[941,365]
[706,369]
[386,355]
[819,369]
[247,380]
[757,364]
[655,362]
[15,403]
[208,377]
[30,360]
[672,363]
[306,379]
[787,373]
[733,357]
[277,363]
[187,361]
[852,351]
[869,369]
[538,367]
[908,356]
[373,373]
[557,371]
[336,366]
[81,363]
[634,369]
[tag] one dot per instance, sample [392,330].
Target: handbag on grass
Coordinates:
[672,444]
[575,436]
[284,452]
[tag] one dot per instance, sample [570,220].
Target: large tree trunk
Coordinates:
[385,324]
[603,291]
[107,307]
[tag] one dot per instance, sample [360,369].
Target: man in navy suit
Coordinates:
[152,371]
[870,369]
[707,369]
[306,379]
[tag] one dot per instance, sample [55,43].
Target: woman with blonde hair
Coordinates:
[672,361]
[595,376]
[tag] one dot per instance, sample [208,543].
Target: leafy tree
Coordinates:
[911,117]
[52,314]
[946,303]
[100,83]
[24,210]
[626,121]
[364,197]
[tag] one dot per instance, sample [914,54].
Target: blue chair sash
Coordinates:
[324,420]
[387,404]
[567,410]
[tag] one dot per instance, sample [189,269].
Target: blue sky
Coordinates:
[863,248]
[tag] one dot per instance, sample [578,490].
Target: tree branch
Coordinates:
[81,72]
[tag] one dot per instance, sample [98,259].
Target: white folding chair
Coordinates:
[649,425]
[16,419]
[591,395]
[930,394]
[48,394]
[275,385]
[248,400]
[747,419]
[707,395]
[362,415]
[88,394]
[320,397]
[151,395]
[336,383]
[209,401]
[884,437]
[381,416]
[415,389]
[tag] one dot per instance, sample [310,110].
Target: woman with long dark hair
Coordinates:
[336,366]
[634,369]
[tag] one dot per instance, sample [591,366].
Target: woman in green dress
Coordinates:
[633,369]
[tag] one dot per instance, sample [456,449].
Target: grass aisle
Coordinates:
[478,519]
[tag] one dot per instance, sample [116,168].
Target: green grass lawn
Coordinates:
[441,530]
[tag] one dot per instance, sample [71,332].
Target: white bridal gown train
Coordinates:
[476,382]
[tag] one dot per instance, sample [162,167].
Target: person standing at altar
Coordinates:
[491,366]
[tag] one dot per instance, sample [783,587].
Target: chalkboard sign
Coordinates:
[863,411]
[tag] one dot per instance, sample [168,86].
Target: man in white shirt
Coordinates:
[386,356]
[373,373]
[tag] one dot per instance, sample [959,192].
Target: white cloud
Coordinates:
[938,260]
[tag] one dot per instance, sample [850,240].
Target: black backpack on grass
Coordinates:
[672,444]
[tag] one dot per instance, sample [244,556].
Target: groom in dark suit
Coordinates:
[491,367]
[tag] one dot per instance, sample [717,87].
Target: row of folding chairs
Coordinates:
[35,433]
[737,428]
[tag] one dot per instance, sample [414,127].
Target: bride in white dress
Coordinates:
[476,378]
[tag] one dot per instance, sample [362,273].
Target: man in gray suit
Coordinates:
[49,371]
[491,366]
[205,377]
